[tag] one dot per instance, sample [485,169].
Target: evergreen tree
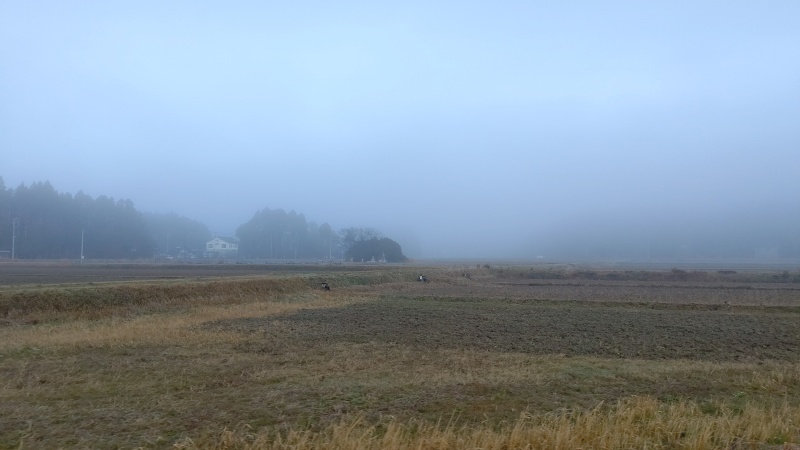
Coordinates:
[367,244]
[176,235]
[51,225]
[276,234]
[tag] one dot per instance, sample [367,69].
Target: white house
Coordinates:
[221,247]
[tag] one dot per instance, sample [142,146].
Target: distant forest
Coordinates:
[274,233]
[41,223]
[53,225]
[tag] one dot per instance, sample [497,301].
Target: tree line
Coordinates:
[274,233]
[37,222]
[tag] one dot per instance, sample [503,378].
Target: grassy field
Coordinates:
[480,357]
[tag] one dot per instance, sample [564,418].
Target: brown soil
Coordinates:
[542,328]
[719,294]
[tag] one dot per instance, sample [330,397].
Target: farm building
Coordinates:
[222,247]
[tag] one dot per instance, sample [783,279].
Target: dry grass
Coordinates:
[631,423]
[52,303]
[176,328]
[161,372]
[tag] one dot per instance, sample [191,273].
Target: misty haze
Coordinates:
[616,131]
[400,225]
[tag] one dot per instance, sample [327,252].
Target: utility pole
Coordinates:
[14,222]
[81,245]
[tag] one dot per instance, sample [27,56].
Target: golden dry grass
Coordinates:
[631,423]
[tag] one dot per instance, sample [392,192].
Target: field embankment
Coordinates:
[44,302]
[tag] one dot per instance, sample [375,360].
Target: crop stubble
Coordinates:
[542,329]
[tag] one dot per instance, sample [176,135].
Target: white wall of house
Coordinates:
[221,245]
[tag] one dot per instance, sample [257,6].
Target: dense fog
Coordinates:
[461,130]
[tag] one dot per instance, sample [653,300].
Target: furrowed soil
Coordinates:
[248,357]
[546,329]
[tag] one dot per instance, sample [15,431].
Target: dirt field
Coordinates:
[548,329]
[108,360]
[711,294]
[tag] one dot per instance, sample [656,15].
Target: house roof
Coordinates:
[229,240]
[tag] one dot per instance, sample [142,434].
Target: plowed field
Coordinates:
[536,328]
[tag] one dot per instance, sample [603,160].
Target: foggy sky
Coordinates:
[460,129]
